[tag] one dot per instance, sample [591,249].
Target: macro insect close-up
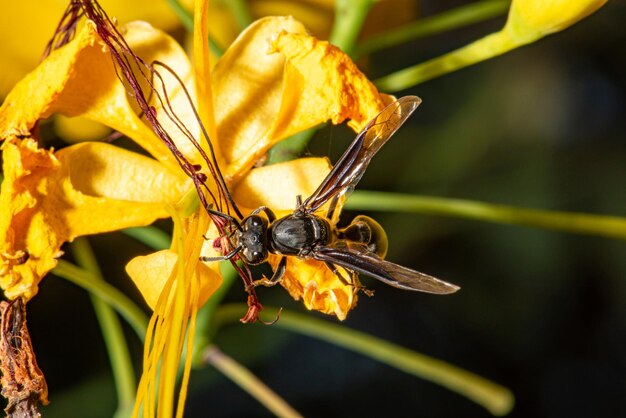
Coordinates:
[360,247]
[199,180]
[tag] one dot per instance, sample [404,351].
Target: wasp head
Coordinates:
[253,239]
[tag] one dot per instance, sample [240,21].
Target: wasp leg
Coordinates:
[222,257]
[354,283]
[276,277]
[271,216]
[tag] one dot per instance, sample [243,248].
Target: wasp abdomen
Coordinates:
[365,230]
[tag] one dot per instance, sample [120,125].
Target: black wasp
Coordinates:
[358,248]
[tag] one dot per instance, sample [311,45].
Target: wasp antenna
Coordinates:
[223,257]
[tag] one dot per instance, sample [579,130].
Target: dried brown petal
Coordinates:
[23,383]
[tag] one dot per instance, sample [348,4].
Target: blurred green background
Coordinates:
[540,312]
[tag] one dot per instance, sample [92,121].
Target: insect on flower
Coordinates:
[358,248]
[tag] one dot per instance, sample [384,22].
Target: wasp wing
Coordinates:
[350,167]
[390,273]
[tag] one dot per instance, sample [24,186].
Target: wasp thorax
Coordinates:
[252,239]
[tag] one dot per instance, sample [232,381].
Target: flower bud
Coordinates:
[530,20]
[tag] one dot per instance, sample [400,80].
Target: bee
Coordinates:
[358,248]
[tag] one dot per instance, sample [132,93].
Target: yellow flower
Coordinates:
[272,82]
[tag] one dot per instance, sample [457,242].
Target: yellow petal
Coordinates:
[101,169]
[48,199]
[154,46]
[79,80]
[275,81]
[202,71]
[276,186]
[247,84]
[318,287]
[79,129]
[29,26]
[151,272]
[322,83]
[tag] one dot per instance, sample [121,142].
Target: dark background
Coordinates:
[540,312]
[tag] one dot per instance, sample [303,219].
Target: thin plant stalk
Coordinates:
[495,398]
[574,222]
[480,50]
[151,236]
[117,348]
[349,18]
[245,379]
[443,22]
[241,13]
[135,317]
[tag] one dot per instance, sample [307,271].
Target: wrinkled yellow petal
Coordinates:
[26,27]
[276,186]
[48,199]
[275,81]
[151,272]
[322,83]
[318,287]
[80,80]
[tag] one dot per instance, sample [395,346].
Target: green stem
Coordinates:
[349,18]
[121,365]
[241,13]
[109,294]
[186,18]
[151,236]
[443,22]
[495,398]
[248,382]
[582,223]
[480,50]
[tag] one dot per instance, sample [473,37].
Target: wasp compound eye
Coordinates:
[253,257]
